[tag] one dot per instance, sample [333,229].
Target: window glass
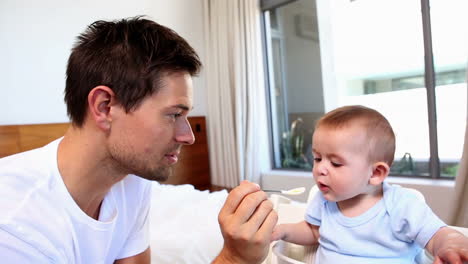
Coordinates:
[295,81]
[380,64]
[450,47]
[326,54]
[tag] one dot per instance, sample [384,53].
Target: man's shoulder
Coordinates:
[26,162]
[22,175]
[31,209]
[27,186]
[41,227]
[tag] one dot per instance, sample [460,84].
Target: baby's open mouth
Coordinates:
[323,187]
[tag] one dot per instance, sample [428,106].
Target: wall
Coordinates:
[36,38]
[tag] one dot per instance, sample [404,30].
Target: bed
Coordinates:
[185,224]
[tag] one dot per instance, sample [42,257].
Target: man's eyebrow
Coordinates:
[183,107]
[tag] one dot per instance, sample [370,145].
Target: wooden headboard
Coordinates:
[193,166]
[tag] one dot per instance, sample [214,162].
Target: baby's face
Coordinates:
[341,166]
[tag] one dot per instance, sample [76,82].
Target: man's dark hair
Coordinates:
[130,56]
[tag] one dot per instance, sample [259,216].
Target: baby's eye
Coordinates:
[336,164]
[317,159]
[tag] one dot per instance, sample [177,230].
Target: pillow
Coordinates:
[184,224]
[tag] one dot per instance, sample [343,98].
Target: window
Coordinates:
[397,56]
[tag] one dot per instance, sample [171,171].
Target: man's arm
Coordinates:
[448,246]
[142,258]
[247,220]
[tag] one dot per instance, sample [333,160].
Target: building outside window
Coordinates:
[324,54]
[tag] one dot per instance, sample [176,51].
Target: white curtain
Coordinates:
[237,126]
[460,215]
[460,210]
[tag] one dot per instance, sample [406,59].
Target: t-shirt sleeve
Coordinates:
[139,237]
[412,219]
[313,213]
[14,250]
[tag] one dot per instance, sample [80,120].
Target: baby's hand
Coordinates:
[278,233]
[301,233]
[454,250]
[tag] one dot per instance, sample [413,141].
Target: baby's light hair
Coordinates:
[381,139]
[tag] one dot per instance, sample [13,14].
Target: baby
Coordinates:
[357,217]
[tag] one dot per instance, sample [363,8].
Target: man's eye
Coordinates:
[175,115]
[317,159]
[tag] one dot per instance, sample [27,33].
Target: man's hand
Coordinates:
[247,220]
[448,246]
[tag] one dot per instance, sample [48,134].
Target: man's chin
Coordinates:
[160,175]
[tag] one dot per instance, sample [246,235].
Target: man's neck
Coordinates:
[85,169]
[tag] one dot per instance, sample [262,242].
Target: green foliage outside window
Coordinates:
[292,147]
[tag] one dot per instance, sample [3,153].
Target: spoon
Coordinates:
[295,191]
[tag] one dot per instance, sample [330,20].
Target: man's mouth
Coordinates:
[172,157]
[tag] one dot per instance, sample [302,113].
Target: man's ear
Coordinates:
[100,100]
[380,171]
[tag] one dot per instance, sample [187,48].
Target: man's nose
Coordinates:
[184,133]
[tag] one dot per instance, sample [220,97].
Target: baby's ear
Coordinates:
[380,171]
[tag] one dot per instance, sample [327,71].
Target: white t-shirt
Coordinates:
[41,223]
[393,231]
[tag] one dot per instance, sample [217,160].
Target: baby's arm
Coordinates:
[448,246]
[301,233]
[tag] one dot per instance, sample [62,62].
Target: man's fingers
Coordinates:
[260,214]
[236,196]
[268,225]
[249,206]
[245,211]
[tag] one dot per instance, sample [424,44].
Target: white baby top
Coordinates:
[41,223]
[393,231]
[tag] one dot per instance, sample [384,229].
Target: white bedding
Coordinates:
[184,224]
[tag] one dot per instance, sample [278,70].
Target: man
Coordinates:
[84,198]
